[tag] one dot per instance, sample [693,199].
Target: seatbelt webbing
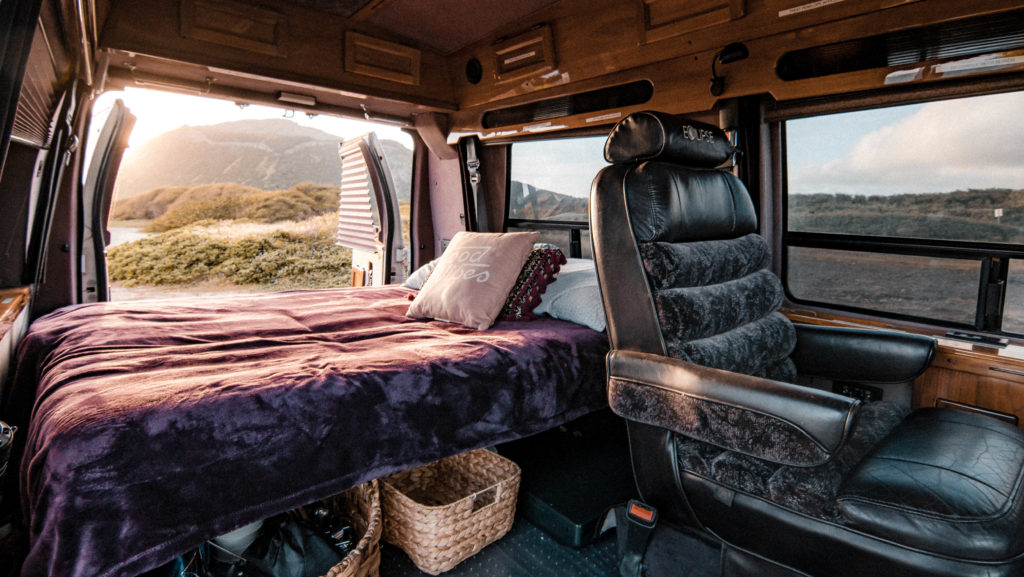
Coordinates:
[634,524]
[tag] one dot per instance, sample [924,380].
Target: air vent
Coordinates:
[963,38]
[619,96]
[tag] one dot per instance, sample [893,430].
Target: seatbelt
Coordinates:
[476,203]
[633,526]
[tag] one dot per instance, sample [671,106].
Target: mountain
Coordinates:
[267,154]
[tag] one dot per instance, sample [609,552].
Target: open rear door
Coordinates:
[97,194]
[369,222]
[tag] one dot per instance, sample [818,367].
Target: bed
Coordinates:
[157,426]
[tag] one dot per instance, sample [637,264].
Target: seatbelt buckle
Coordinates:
[641,514]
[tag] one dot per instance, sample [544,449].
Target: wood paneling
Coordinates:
[378,58]
[235,24]
[604,42]
[529,53]
[669,18]
[991,379]
[310,49]
[988,378]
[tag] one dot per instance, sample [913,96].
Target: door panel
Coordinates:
[97,193]
[368,217]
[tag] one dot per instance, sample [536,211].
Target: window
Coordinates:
[549,189]
[911,211]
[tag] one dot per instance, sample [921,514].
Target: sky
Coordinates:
[158,112]
[940,146]
[566,165]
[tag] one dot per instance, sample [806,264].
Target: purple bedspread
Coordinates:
[159,425]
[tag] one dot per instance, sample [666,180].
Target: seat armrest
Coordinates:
[861,354]
[779,422]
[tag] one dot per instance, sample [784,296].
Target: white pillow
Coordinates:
[575,296]
[416,279]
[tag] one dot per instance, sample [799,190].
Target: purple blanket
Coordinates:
[159,425]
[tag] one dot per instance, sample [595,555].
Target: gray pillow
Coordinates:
[574,296]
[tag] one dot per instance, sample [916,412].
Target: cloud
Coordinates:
[943,146]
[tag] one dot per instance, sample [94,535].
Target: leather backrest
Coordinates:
[662,198]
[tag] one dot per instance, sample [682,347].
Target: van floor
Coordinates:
[527,551]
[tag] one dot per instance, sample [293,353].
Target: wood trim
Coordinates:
[526,54]
[663,19]
[368,10]
[382,59]
[12,302]
[235,24]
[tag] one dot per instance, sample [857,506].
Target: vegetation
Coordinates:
[296,255]
[172,207]
[230,232]
[965,215]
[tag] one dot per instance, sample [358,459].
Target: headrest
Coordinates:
[658,136]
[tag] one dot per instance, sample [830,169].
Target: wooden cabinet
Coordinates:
[973,376]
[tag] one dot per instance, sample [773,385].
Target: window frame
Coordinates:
[994,258]
[574,228]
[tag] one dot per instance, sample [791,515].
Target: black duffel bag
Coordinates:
[286,547]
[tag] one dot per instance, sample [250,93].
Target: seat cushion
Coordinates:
[944,481]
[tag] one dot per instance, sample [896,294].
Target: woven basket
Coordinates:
[361,505]
[442,513]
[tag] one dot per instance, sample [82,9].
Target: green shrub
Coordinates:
[184,214]
[189,255]
[177,206]
[176,257]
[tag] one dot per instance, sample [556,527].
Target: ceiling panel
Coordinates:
[449,25]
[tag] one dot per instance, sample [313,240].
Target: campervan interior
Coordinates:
[757,265]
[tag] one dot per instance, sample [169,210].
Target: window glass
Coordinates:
[938,182]
[947,170]
[938,288]
[1013,313]
[551,179]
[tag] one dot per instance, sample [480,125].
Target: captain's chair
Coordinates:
[792,480]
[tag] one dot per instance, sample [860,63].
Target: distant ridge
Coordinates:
[268,154]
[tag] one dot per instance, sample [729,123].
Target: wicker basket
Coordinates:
[361,504]
[442,513]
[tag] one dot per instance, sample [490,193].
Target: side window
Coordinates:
[549,189]
[911,211]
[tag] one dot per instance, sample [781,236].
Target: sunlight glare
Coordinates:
[159,112]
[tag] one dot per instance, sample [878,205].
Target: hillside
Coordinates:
[966,215]
[267,154]
[541,204]
[170,207]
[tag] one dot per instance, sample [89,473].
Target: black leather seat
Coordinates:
[732,430]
